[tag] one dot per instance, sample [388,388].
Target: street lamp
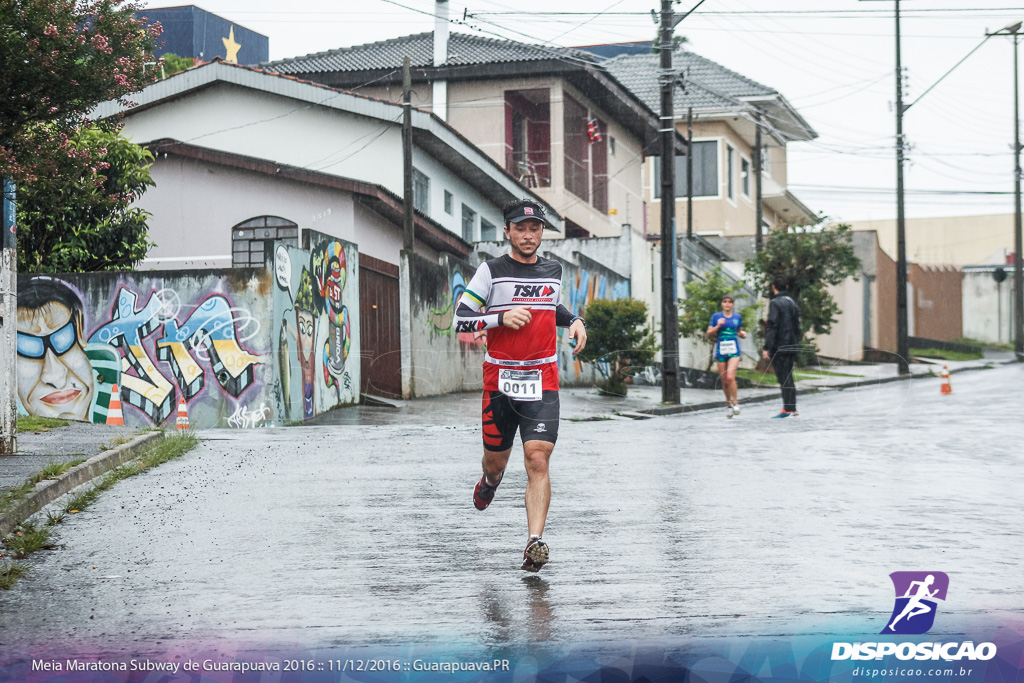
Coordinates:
[1018,272]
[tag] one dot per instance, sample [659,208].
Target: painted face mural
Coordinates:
[63,371]
[306,326]
[327,264]
[315,328]
[59,375]
[54,375]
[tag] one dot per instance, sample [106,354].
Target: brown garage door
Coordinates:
[379,328]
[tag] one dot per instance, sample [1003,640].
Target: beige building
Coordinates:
[956,240]
[728,109]
[552,117]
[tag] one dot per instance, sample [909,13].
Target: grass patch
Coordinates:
[757,377]
[165,449]
[814,372]
[29,539]
[55,469]
[941,354]
[999,346]
[9,573]
[31,423]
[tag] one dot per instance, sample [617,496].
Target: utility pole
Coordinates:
[1018,276]
[758,191]
[669,304]
[689,173]
[409,222]
[1018,247]
[902,338]
[8,321]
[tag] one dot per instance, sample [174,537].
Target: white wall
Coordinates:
[988,307]
[275,128]
[195,204]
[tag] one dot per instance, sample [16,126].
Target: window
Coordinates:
[448,202]
[488,231]
[705,171]
[528,136]
[766,160]
[730,171]
[468,223]
[577,152]
[249,237]
[745,177]
[420,192]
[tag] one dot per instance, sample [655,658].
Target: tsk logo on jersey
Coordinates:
[916,596]
[469,325]
[534,291]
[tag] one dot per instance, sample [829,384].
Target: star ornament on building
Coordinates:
[231,46]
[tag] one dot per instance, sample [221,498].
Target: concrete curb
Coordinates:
[45,492]
[692,408]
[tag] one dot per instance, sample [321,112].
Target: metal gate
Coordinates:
[380,337]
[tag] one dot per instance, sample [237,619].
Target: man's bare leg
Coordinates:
[538,486]
[494,464]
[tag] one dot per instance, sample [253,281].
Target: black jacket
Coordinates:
[782,333]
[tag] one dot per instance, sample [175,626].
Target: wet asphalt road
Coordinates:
[673,527]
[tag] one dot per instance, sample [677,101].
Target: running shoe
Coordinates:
[784,413]
[536,554]
[483,494]
[729,412]
[736,409]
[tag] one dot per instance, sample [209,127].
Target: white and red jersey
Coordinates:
[500,285]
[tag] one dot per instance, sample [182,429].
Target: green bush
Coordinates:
[618,338]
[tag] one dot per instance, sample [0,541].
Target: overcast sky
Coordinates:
[834,60]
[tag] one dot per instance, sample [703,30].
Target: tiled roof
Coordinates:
[708,85]
[463,50]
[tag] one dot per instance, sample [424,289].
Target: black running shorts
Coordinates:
[501,415]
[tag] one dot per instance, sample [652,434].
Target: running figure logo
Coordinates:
[916,596]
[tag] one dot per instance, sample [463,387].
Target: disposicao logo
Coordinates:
[917,598]
[917,594]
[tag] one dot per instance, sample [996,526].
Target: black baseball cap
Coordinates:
[523,210]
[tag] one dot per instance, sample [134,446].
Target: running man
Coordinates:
[727,326]
[517,299]
[914,605]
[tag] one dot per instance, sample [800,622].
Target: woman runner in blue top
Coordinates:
[727,327]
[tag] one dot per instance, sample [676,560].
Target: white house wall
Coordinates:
[261,125]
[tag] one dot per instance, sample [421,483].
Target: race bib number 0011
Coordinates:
[728,347]
[522,385]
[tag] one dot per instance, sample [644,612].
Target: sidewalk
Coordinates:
[642,401]
[76,441]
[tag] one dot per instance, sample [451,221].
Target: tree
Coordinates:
[61,58]
[80,218]
[173,63]
[617,338]
[704,299]
[812,259]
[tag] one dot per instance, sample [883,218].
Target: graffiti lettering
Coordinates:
[211,326]
[146,389]
[243,418]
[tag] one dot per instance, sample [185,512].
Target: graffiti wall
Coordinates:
[316,327]
[107,347]
[440,360]
[582,282]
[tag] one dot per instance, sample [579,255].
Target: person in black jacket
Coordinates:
[782,341]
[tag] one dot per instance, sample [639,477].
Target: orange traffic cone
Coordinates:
[182,414]
[947,388]
[114,414]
